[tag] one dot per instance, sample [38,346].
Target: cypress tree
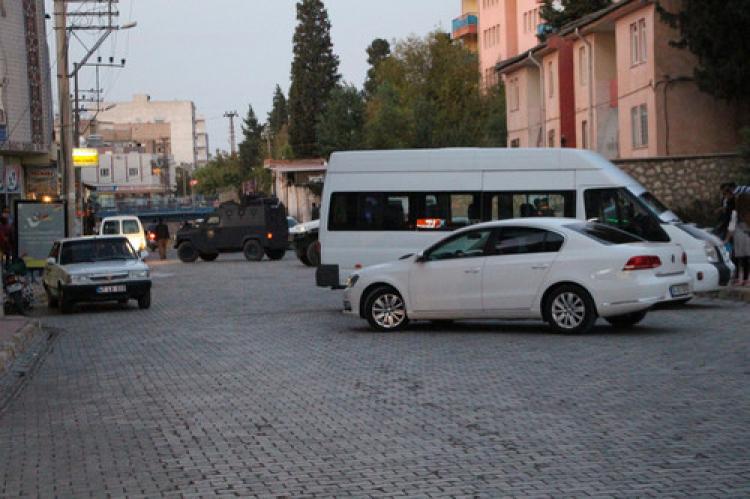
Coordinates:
[250,147]
[559,13]
[314,75]
[279,115]
[378,50]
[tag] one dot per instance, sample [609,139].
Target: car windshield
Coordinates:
[96,250]
[604,234]
[653,203]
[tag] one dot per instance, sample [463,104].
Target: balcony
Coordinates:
[465,26]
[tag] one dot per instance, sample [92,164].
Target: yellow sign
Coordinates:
[85,157]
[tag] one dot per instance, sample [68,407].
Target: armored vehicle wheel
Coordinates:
[253,251]
[275,254]
[187,252]
[209,257]
[313,255]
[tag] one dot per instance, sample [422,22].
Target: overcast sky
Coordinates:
[226,54]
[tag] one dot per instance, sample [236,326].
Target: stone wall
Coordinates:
[682,182]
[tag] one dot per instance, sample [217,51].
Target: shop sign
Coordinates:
[41,181]
[85,157]
[10,178]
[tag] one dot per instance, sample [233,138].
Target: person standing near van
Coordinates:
[739,234]
[162,238]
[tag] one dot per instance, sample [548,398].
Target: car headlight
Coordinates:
[139,274]
[78,278]
[711,253]
[352,280]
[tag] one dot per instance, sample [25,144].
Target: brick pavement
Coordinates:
[244,379]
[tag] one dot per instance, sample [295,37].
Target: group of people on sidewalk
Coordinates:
[734,228]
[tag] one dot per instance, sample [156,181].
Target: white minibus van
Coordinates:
[380,205]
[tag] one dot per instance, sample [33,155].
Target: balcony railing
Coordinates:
[465,25]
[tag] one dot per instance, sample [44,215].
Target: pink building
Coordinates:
[612,83]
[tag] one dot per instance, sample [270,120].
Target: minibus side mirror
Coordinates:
[420,257]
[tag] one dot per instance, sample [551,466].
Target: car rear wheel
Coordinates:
[64,304]
[144,301]
[627,320]
[275,254]
[187,252]
[385,310]
[253,251]
[209,257]
[313,254]
[569,309]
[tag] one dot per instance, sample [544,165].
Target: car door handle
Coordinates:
[471,271]
[540,267]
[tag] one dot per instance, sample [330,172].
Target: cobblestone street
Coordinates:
[245,379]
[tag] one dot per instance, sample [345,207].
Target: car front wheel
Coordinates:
[570,309]
[627,320]
[385,310]
[144,301]
[65,305]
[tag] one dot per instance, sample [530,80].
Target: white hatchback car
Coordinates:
[564,271]
[95,269]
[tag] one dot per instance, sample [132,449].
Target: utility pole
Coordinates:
[232,142]
[65,156]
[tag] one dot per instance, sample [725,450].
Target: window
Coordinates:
[604,233]
[515,143]
[550,81]
[111,227]
[525,22]
[130,227]
[515,98]
[525,240]
[583,67]
[585,134]
[213,220]
[468,245]
[621,209]
[104,172]
[639,125]
[133,172]
[638,47]
[505,205]
[551,138]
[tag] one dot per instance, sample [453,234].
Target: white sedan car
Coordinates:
[564,271]
[95,269]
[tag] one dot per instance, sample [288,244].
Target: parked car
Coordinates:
[564,271]
[255,227]
[95,269]
[125,225]
[306,246]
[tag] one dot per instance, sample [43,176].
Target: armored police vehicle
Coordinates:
[256,226]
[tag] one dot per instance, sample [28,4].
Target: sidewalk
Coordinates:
[735,293]
[16,334]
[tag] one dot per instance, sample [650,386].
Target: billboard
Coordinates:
[83,157]
[38,225]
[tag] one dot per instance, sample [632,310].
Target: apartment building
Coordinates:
[188,138]
[611,82]
[27,169]
[465,27]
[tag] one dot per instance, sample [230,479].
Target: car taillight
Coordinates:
[684,258]
[151,236]
[643,262]
[269,235]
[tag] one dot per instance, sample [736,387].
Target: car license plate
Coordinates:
[111,289]
[679,290]
[14,287]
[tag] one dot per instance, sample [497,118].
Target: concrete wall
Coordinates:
[681,181]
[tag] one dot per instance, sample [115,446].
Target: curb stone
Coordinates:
[18,343]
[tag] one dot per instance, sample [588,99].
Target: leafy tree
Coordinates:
[716,32]
[314,75]
[278,117]
[378,51]
[251,145]
[389,123]
[221,173]
[495,125]
[558,13]
[340,125]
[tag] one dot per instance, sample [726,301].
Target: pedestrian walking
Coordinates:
[6,241]
[162,238]
[738,234]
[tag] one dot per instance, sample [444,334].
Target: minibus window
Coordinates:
[620,208]
[505,205]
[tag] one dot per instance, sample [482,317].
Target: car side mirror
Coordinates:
[50,261]
[143,254]
[420,257]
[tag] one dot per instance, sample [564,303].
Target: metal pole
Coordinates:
[63,94]
[76,110]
